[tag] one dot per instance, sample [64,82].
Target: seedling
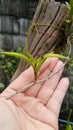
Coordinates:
[37,63]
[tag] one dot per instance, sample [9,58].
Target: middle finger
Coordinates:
[50,85]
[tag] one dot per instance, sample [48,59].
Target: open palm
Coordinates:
[38,107]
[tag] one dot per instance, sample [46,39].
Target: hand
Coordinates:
[38,107]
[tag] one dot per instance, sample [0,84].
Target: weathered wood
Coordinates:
[48,12]
[47,18]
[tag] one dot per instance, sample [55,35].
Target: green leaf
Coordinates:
[9,64]
[49,55]
[39,64]
[29,55]
[19,50]
[2,86]
[68,5]
[40,61]
[18,55]
[71,6]
[68,127]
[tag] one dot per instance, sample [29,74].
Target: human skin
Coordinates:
[38,107]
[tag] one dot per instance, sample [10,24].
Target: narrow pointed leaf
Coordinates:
[18,55]
[39,64]
[49,55]
[37,60]
[29,55]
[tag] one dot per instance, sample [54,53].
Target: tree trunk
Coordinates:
[47,13]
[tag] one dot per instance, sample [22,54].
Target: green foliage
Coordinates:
[69,127]
[2,86]
[8,65]
[68,22]
[35,63]
[70,8]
